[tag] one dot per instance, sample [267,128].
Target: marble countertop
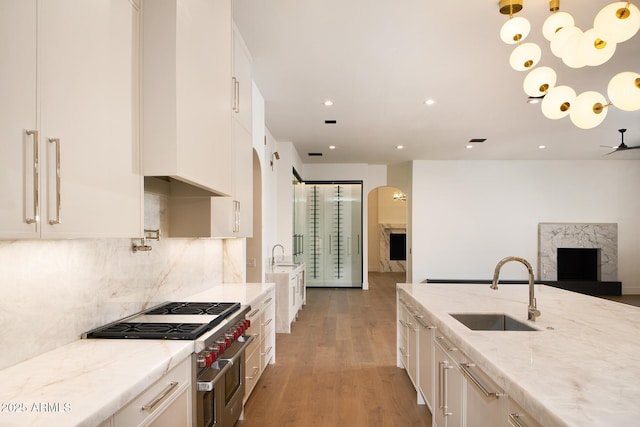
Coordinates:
[86,381]
[580,369]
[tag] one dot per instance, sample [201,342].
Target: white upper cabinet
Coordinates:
[69,152]
[233,216]
[188,92]
[242,79]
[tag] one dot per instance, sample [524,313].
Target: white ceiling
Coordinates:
[378,61]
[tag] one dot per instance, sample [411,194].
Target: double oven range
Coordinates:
[218,331]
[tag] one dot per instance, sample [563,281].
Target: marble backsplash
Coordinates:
[51,291]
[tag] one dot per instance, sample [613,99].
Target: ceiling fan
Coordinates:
[622,146]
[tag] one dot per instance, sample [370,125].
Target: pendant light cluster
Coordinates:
[614,24]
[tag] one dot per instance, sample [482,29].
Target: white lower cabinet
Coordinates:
[449,404]
[426,360]
[290,295]
[262,349]
[166,403]
[457,391]
[408,345]
[485,401]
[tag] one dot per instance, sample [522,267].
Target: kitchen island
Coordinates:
[87,381]
[580,368]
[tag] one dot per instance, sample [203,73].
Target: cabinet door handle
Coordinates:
[58,219]
[36,159]
[253,313]
[466,369]
[445,388]
[237,96]
[267,351]
[268,300]
[160,397]
[267,322]
[234,102]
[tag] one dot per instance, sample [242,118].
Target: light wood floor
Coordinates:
[338,366]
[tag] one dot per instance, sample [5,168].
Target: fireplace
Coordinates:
[397,247]
[393,247]
[578,263]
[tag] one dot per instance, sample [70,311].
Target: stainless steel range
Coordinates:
[218,331]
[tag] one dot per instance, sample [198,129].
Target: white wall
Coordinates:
[372,176]
[467,215]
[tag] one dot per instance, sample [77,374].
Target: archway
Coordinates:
[387,230]
[254,244]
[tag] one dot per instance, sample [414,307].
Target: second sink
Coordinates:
[491,322]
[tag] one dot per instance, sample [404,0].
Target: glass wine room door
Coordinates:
[333,256]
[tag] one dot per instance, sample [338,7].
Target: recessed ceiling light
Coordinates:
[469,146]
[542,147]
[332,147]
[399,147]
[429,102]
[535,99]
[328,103]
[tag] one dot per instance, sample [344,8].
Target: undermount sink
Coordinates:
[491,322]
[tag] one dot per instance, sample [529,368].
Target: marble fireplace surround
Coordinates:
[386,264]
[603,236]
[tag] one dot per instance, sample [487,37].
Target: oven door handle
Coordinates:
[231,360]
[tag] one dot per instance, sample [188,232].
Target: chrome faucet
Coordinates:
[273,259]
[533,311]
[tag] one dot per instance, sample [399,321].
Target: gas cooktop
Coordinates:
[172,320]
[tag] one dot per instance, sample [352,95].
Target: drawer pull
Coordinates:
[466,368]
[256,370]
[267,322]
[514,419]
[253,313]
[268,300]
[446,344]
[268,351]
[160,397]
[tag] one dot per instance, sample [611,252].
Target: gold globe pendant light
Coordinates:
[617,22]
[588,110]
[515,30]
[593,49]
[624,91]
[539,81]
[525,56]
[555,22]
[557,102]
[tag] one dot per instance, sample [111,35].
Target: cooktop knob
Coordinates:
[210,358]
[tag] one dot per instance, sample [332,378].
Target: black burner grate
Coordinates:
[165,331]
[222,309]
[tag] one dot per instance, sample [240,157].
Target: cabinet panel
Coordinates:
[187,92]
[89,113]
[252,369]
[485,401]
[165,403]
[449,395]
[76,84]
[426,361]
[17,114]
